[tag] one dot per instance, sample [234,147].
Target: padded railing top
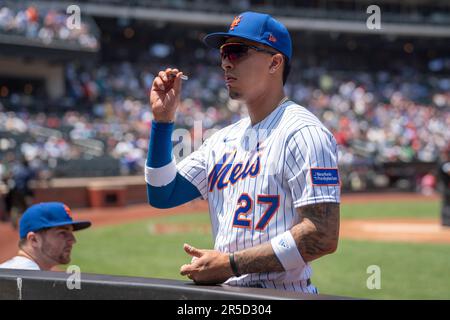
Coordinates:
[25,284]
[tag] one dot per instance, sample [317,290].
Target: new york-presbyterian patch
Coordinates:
[325,177]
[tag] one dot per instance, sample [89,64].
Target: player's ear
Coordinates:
[32,239]
[276,62]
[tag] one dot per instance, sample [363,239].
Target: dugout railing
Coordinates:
[43,285]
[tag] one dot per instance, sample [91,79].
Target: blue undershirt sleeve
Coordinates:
[179,190]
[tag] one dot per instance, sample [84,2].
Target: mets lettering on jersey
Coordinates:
[226,172]
[253,190]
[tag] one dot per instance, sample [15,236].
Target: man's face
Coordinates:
[56,244]
[247,76]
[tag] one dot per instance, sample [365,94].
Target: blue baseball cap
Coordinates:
[48,215]
[258,27]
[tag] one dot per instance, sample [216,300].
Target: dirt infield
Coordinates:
[409,230]
[404,230]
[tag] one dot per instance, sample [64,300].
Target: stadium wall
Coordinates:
[94,192]
[89,192]
[76,197]
[53,74]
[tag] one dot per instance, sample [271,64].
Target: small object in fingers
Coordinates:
[182,77]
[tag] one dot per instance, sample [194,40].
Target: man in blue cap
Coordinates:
[271,179]
[46,237]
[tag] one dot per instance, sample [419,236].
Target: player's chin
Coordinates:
[234,94]
[64,259]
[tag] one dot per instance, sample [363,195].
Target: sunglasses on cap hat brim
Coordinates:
[235,50]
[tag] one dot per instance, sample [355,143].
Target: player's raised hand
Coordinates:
[165,95]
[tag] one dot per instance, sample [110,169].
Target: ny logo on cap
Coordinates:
[235,22]
[67,209]
[272,38]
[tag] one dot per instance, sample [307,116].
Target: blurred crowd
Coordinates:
[45,26]
[380,117]
[399,114]
[375,117]
[44,140]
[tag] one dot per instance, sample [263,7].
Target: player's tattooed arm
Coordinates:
[318,232]
[257,259]
[316,235]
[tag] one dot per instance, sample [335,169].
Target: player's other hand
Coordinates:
[165,95]
[207,266]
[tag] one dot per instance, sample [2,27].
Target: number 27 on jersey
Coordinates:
[245,207]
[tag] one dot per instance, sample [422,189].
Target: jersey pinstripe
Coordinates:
[254,178]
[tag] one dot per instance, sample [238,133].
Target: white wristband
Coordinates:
[160,177]
[286,250]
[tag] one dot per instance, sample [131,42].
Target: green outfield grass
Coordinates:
[400,209]
[133,250]
[407,270]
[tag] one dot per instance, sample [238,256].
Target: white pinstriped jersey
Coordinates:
[254,178]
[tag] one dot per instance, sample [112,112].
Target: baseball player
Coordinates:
[271,180]
[46,237]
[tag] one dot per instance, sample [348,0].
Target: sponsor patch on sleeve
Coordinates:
[325,177]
